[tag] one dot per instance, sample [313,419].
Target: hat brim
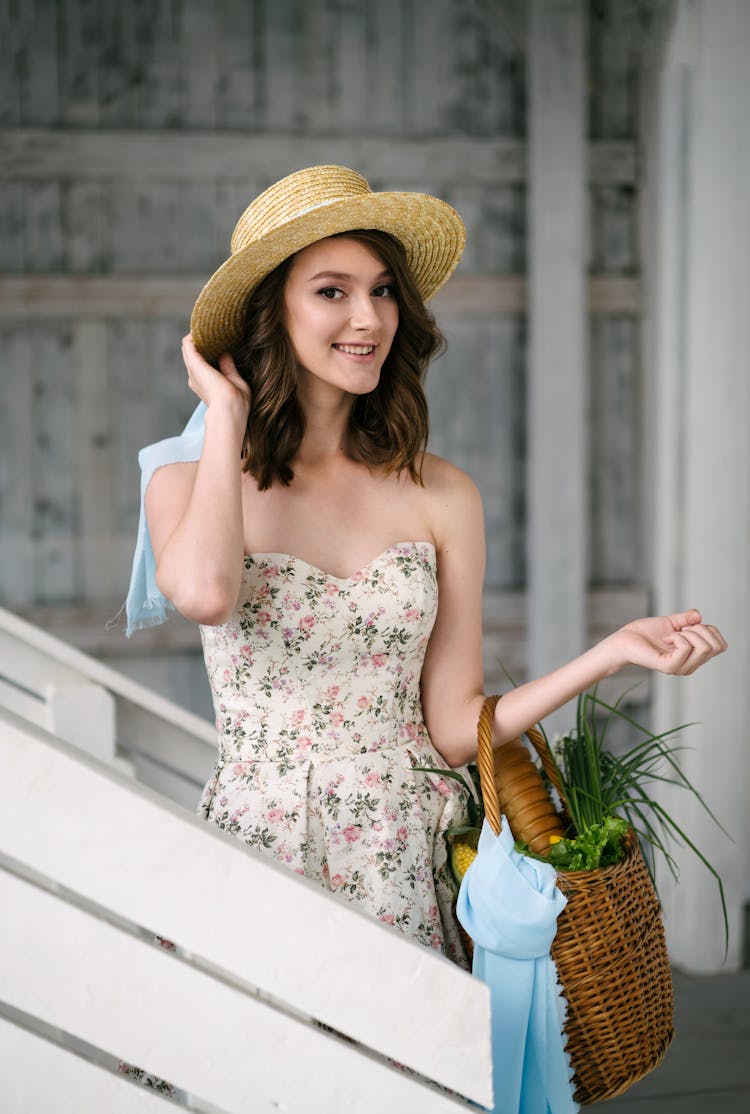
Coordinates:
[430,230]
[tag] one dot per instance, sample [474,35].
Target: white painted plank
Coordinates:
[207,1037]
[37,1073]
[38,153]
[556,421]
[239,911]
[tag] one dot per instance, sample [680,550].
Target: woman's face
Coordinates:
[341,314]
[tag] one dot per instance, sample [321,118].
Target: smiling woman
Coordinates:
[335,566]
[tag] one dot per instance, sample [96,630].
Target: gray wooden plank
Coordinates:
[82,231]
[429,86]
[79,91]
[55,569]
[239,47]
[41,153]
[144,295]
[386,67]
[12,221]
[43,226]
[13,51]
[95,535]
[199,30]
[353,95]
[616,32]
[614,235]
[615,473]
[40,103]
[281,62]
[17,466]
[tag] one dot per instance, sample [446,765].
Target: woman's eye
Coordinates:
[332,293]
[384,291]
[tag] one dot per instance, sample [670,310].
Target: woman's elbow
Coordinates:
[209,603]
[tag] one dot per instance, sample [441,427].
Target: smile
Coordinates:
[355,349]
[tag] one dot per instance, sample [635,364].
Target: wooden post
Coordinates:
[556,408]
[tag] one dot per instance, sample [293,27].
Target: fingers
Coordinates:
[685,618]
[693,646]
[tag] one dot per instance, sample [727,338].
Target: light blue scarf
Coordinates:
[145,606]
[509,905]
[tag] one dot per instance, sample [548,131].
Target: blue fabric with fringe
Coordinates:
[145,606]
[509,905]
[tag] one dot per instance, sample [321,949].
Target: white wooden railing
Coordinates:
[279,995]
[101,711]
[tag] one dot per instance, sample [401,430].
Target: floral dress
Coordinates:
[316,687]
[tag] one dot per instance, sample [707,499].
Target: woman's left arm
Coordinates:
[452,680]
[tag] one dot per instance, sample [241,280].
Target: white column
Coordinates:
[698,364]
[557,443]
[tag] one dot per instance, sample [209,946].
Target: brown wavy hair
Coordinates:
[389,426]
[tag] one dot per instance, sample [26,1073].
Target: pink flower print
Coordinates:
[298,715]
[336,719]
[388,918]
[351,834]
[372,778]
[411,730]
[304,742]
[336,881]
[270,571]
[436,941]
[378,660]
[332,589]
[275,814]
[433,911]
[332,692]
[411,615]
[363,702]
[227,676]
[403,834]
[241,769]
[247,652]
[307,622]
[443,788]
[263,617]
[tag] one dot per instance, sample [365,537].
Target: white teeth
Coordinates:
[356,349]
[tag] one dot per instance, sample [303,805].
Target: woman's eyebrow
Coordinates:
[341,275]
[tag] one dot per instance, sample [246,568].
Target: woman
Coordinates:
[335,567]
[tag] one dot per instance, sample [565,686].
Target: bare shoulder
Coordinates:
[454,500]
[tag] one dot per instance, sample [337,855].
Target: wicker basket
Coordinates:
[610,951]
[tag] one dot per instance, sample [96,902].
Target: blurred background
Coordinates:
[596,379]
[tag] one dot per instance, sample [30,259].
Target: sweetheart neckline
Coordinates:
[355,576]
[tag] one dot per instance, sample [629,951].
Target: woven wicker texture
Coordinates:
[307,206]
[610,950]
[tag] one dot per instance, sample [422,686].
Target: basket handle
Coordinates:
[486,761]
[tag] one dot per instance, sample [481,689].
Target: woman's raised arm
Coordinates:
[194,511]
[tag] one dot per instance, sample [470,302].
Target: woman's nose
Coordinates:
[363,313]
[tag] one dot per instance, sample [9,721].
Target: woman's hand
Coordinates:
[224,387]
[677,644]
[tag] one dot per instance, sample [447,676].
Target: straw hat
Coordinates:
[308,206]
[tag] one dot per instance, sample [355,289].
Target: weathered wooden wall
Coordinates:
[132,136]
